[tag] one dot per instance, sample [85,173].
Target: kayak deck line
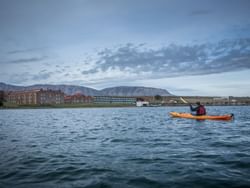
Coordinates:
[226,117]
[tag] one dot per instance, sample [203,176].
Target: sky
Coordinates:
[191,47]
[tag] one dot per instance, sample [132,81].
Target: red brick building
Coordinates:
[36,97]
[77,98]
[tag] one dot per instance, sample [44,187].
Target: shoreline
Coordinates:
[61,106]
[65,106]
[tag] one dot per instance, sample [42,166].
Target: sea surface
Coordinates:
[123,147]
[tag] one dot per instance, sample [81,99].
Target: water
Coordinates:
[123,147]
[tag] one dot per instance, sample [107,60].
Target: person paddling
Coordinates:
[200,109]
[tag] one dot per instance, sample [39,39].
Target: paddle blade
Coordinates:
[183,100]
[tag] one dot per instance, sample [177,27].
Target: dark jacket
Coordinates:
[200,110]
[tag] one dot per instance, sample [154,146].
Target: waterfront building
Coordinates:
[142,103]
[77,99]
[36,97]
[114,100]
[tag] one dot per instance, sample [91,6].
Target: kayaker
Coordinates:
[200,109]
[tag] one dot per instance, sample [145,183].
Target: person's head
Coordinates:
[198,103]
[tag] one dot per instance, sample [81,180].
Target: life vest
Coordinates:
[201,110]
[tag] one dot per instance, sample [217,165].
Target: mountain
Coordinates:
[68,89]
[134,91]
[71,89]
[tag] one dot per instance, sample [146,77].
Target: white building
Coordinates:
[142,103]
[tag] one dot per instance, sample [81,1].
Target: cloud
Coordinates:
[26,77]
[91,71]
[175,60]
[20,78]
[41,76]
[27,60]
[24,50]
[232,86]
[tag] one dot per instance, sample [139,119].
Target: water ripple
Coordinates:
[123,147]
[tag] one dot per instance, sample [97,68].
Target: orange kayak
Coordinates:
[190,116]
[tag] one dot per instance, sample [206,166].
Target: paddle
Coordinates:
[184,101]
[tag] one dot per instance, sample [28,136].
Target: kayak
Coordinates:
[190,116]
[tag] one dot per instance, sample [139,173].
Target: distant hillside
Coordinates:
[134,91]
[71,89]
[68,89]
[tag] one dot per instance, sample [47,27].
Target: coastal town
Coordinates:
[43,97]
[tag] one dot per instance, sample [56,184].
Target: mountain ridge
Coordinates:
[111,91]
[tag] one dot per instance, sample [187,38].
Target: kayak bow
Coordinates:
[190,116]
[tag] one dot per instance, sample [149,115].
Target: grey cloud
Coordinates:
[58,71]
[233,86]
[16,51]
[177,60]
[28,60]
[46,64]
[20,78]
[41,76]
[23,50]
[185,90]
[91,71]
